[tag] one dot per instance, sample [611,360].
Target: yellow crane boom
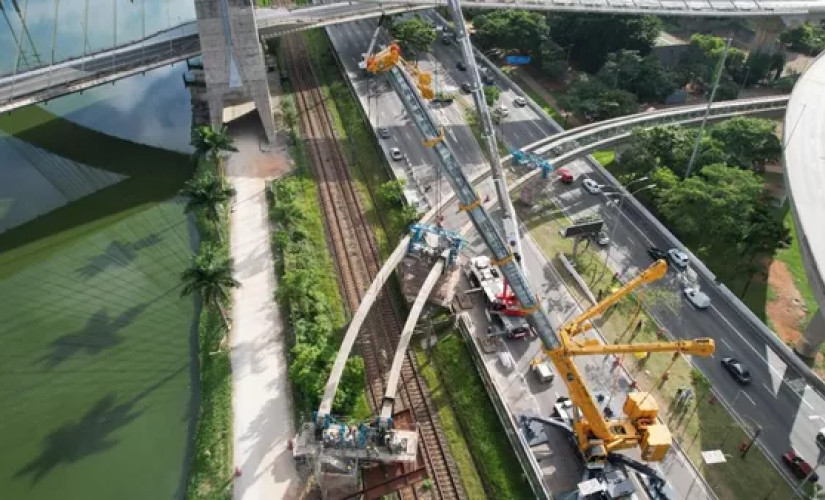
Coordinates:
[596,434]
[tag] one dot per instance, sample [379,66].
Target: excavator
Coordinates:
[597,436]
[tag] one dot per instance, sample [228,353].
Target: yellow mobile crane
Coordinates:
[596,435]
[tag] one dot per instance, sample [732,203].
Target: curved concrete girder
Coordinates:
[406,335]
[355,325]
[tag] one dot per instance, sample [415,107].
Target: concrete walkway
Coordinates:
[261,397]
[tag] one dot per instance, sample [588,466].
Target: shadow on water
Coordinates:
[117,254]
[100,333]
[90,435]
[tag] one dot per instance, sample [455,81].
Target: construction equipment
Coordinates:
[442,239]
[596,435]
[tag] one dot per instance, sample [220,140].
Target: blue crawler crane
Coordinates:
[531,161]
[446,240]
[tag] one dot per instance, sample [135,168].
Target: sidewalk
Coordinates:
[261,396]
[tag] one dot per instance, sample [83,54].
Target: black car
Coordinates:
[461,66]
[657,253]
[737,370]
[467,87]
[384,133]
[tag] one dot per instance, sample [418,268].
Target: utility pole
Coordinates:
[508,212]
[717,77]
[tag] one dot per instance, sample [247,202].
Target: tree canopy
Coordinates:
[806,38]
[750,143]
[644,77]
[414,35]
[742,142]
[511,29]
[591,37]
[592,99]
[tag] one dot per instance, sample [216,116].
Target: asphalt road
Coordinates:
[778,400]
[385,110]
[108,63]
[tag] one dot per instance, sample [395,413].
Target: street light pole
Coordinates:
[618,213]
[717,77]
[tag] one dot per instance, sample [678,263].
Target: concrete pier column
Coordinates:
[233,61]
[812,339]
[767,35]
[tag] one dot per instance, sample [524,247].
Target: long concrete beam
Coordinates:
[406,336]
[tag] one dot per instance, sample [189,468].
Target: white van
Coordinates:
[544,371]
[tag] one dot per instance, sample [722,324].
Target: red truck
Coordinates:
[799,467]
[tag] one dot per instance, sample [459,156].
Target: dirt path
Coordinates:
[261,396]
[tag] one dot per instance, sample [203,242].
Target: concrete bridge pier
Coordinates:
[233,61]
[812,339]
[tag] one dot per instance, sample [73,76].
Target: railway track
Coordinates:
[357,260]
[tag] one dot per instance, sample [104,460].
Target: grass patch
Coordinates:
[698,425]
[604,158]
[792,257]
[497,465]
[358,142]
[452,429]
[211,473]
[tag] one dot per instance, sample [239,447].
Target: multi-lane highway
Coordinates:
[386,110]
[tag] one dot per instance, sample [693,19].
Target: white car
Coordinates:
[591,186]
[602,238]
[396,154]
[520,101]
[502,110]
[697,297]
[678,257]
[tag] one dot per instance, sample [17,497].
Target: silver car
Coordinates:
[591,186]
[678,257]
[697,297]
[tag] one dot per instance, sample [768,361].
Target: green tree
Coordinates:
[670,147]
[712,206]
[749,142]
[700,62]
[210,276]
[491,94]
[211,143]
[764,233]
[413,35]
[392,192]
[806,38]
[207,193]
[510,29]
[588,97]
[645,77]
[551,60]
[591,37]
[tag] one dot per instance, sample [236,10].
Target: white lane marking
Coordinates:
[742,338]
[770,391]
[722,339]
[749,398]
[810,407]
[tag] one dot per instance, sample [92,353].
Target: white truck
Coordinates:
[544,371]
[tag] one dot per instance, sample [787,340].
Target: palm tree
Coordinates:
[209,142]
[208,192]
[210,276]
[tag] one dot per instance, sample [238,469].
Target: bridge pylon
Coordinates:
[233,61]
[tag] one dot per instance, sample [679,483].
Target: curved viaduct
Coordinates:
[804,162]
[561,148]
